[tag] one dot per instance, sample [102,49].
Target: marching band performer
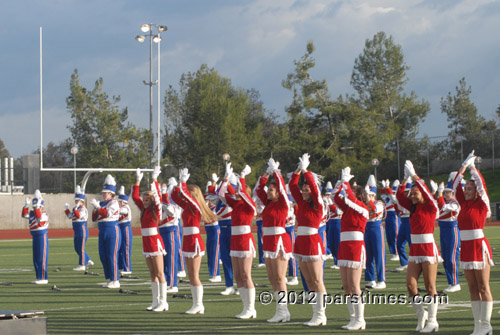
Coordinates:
[106,213]
[392,221]
[309,249]
[79,216]
[124,223]
[424,254]
[212,230]
[190,199]
[332,225]
[258,222]
[38,224]
[404,232]
[475,256]
[242,241]
[277,245]
[168,228]
[448,232]
[374,238]
[293,265]
[352,252]
[152,243]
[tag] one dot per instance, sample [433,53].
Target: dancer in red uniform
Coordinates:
[152,243]
[195,209]
[475,255]
[242,242]
[424,254]
[309,248]
[352,253]
[277,245]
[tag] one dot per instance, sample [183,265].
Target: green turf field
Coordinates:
[83,306]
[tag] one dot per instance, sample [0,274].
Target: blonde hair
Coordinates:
[152,207]
[206,214]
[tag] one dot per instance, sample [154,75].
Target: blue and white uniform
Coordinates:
[332,226]
[293,264]
[124,223]
[258,222]
[79,216]
[404,233]
[224,213]
[392,221]
[375,243]
[38,224]
[212,230]
[169,232]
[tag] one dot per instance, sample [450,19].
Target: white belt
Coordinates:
[240,230]
[273,231]
[473,234]
[306,231]
[149,231]
[422,238]
[352,236]
[190,230]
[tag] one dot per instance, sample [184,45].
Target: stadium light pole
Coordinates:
[74,151]
[148,28]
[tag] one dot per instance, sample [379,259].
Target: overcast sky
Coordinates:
[253,43]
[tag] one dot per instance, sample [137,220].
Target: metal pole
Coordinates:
[399,164]
[74,172]
[159,104]
[41,103]
[151,93]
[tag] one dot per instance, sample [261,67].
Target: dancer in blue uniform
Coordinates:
[392,221]
[258,222]
[213,233]
[106,213]
[293,264]
[332,224]
[38,224]
[79,216]
[374,239]
[124,222]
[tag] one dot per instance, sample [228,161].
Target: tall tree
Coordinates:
[379,78]
[468,130]
[3,150]
[208,117]
[100,130]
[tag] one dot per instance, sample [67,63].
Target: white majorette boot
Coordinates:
[422,315]
[476,312]
[359,316]
[432,324]
[282,314]
[162,301]
[350,308]
[486,309]
[197,292]
[243,297]
[249,312]
[155,289]
[319,316]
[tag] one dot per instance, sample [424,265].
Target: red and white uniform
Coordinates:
[37,218]
[351,252]
[192,242]
[243,211]
[475,248]
[152,243]
[448,210]
[308,245]
[422,220]
[125,214]
[78,214]
[274,218]
[171,213]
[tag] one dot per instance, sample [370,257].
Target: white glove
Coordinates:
[346,175]
[66,205]
[246,171]
[409,169]
[36,202]
[138,174]
[434,186]
[156,172]
[395,183]
[209,183]
[469,161]
[385,183]
[183,175]
[233,179]
[215,179]
[28,201]
[163,188]
[441,187]
[229,171]
[172,182]
[272,166]
[304,162]
[95,203]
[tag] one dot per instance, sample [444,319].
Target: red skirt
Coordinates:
[192,245]
[153,246]
[424,252]
[273,244]
[242,246]
[309,248]
[475,253]
[352,254]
